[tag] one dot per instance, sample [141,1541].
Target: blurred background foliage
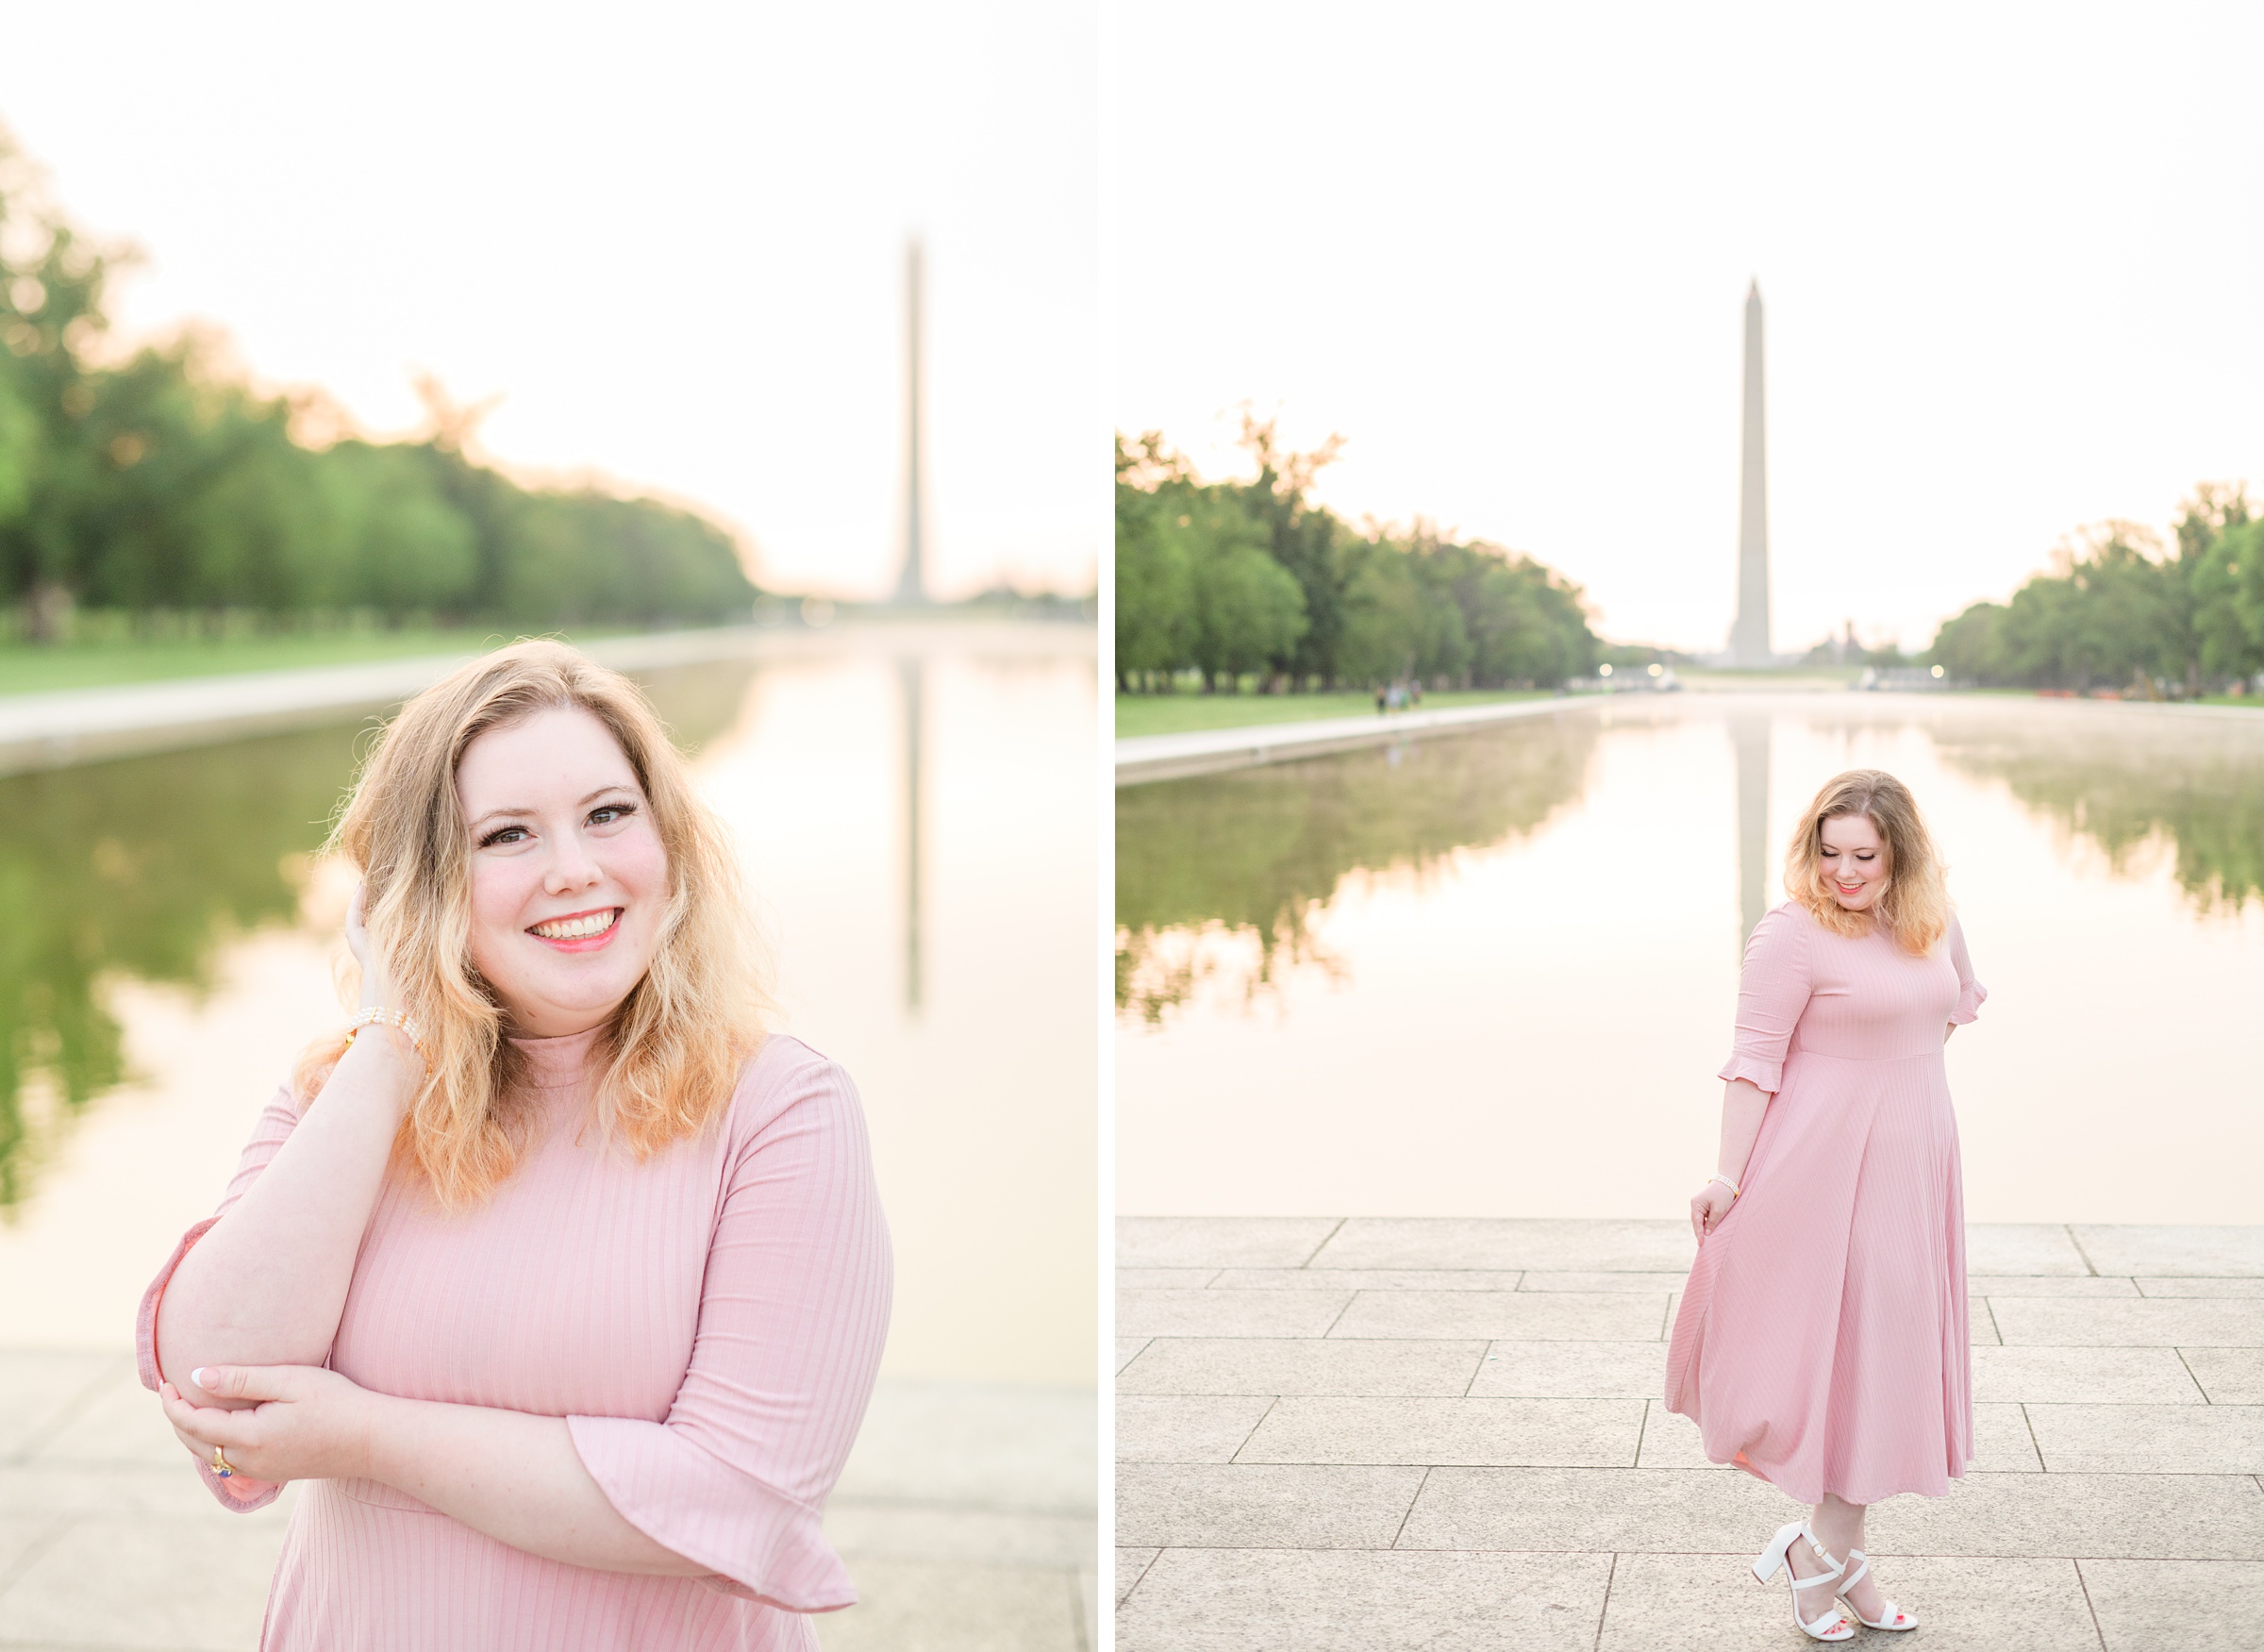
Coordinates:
[2118,608]
[157,480]
[1257,852]
[1233,578]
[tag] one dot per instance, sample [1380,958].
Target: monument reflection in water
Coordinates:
[1496,976]
[913,806]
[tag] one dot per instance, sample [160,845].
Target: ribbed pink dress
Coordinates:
[708,1321]
[1820,1343]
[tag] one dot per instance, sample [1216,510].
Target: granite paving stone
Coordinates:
[2024,1248]
[2118,1437]
[1572,1370]
[2229,1376]
[1368,1279]
[1127,1349]
[43,1386]
[1167,1278]
[1130,1566]
[1701,1603]
[2196,1440]
[2133,1516]
[1302,1365]
[2002,1443]
[955,1606]
[1227,1313]
[2048,1285]
[1521,1315]
[1279,1506]
[1304,1600]
[1602,1509]
[1649,1246]
[1186,1427]
[1569,1432]
[2147,1323]
[1220,1242]
[146,1583]
[2194,1606]
[863,1531]
[1671,1441]
[2135,1249]
[1558,1279]
[2084,1374]
[2191,1286]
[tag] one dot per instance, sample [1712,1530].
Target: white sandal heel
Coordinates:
[1895,1620]
[1831,1623]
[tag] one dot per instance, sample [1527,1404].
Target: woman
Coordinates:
[1820,1344]
[562,1283]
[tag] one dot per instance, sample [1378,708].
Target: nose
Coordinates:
[571,865]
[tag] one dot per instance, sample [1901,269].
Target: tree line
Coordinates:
[2121,609]
[159,479]
[1233,578]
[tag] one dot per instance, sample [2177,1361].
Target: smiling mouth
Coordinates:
[577,926]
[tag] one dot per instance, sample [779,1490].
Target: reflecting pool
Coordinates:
[1493,974]
[914,808]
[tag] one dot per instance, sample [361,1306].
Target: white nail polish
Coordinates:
[201,1377]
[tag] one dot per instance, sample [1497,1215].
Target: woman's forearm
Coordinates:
[266,1285]
[515,1477]
[1743,1102]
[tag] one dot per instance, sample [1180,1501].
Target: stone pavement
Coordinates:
[966,1515]
[1384,1434]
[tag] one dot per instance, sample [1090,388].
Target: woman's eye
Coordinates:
[503,835]
[609,813]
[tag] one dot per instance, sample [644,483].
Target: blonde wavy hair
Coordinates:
[669,1060]
[1915,904]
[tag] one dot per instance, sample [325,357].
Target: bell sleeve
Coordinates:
[238,1491]
[792,1316]
[1972,994]
[1772,990]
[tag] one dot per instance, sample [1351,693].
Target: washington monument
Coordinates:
[1749,637]
[911,587]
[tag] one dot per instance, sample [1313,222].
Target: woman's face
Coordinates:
[569,879]
[1855,860]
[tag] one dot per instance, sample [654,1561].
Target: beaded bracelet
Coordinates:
[396,1018]
[1711,1180]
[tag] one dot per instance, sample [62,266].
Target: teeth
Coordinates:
[578,928]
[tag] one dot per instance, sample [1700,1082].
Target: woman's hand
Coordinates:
[1709,1205]
[376,984]
[306,1423]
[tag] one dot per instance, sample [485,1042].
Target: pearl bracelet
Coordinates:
[396,1018]
[1725,1183]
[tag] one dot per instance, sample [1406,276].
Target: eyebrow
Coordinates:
[521,808]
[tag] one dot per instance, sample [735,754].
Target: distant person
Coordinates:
[562,1283]
[1415,692]
[1382,696]
[1821,1341]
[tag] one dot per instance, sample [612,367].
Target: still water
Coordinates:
[913,806]
[1493,975]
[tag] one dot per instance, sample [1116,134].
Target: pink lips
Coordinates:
[582,943]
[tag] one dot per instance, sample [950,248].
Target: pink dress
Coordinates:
[1822,1343]
[708,1321]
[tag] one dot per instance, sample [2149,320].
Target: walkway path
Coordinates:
[1389,1434]
[1208,751]
[966,1517]
[52,730]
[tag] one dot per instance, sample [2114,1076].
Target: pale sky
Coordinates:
[668,236]
[2010,258]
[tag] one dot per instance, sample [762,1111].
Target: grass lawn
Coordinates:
[28,668]
[1137,714]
